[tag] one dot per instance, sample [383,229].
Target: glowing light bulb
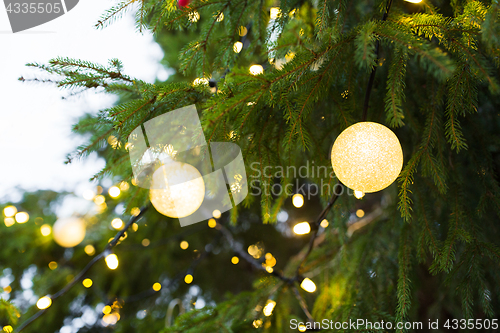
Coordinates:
[69,232]
[117,224]
[367,157]
[359,194]
[274,13]
[114,191]
[302,328]
[88,195]
[188,278]
[87,283]
[106,310]
[360,213]
[242,31]
[22,217]
[212,223]
[269,307]
[324,224]
[184,197]
[414,1]
[302,228]
[308,285]
[194,16]
[112,261]
[89,249]
[184,245]
[52,265]
[9,221]
[145,242]
[8,329]
[157,286]
[44,303]
[298,200]
[99,199]
[46,230]
[235,260]
[9,211]
[216,214]
[256,69]
[220,17]
[237,47]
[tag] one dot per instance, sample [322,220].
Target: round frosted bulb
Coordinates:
[184,197]
[308,285]
[367,157]
[44,303]
[69,232]
[112,261]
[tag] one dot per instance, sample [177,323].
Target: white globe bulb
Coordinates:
[182,198]
[69,232]
[367,157]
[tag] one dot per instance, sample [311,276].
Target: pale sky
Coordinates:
[35,123]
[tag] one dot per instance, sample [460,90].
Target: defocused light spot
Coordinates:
[9,211]
[235,260]
[117,224]
[87,283]
[184,245]
[298,200]
[302,228]
[188,278]
[114,191]
[90,250]
[157,286]
[360,213]
[46,229]
[22,217]
[44,303]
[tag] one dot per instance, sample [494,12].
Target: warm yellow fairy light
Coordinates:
[359,194]
[112,261]
[188,278]
[8,329]
[46,229]
[367,157]
[194,16]
[414,1]
[87,283]
[242,31]
[274,13]
[257,323]
[237,47]
[360,213]
[308,285]
[135,211]
[298,200]
[69,232]
[184,197]
[216,213]
[302,328]
[89,249]
[200,81]
[7,289]
[52,265]
[269,269]
[324,223]
[212,223]
[114,191]
[22,217]
[145,242]
[99,199]
[106,310]
[184,245]
[124,186]
[9,221]
[256,69]
[235,260]
[220,17]
[88,195]
[44,303]
[302,228]
[117,223]
[9,211]
[157,286]
[269,307]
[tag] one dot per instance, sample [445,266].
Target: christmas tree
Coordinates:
[305,250]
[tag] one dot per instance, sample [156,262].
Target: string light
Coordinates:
[88,195]
[256,69]
[324,224]
[110,319]
[45,230]
[274,13]
[194,16]
[99,199]
[184,245]
[257,323]
[117,224]
[114,191]
[188,278]
[237,47]
[89,249]
[360,213]
[298,200]
[235,260]
[200,81]
[145,242]
[52,265]
[106,310]
[124,186]
[9,211]
[302,228]
[8,329]
[157,286]
[359,194]
[22,217]
[9,221]
[269,307]
[414,1]
[217,214]
[220,17]
[87,283]
[308,285]
[302,328]
[212,223]
[69,232]
[112,261]
[135,211]
[242,31]
[44,303]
